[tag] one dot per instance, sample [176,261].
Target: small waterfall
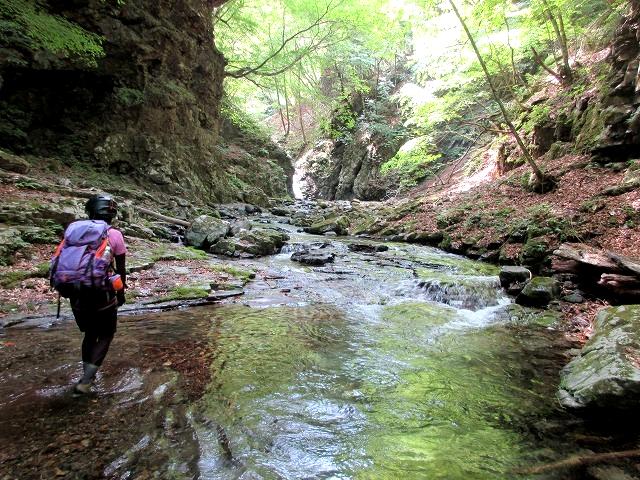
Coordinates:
[294,247]
[465,293]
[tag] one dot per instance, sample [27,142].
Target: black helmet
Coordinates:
[101,207]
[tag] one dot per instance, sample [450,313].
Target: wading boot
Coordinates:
[83,387]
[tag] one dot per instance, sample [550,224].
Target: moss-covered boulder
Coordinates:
[339,225]
[607,371]
[429,238]
[251,243]
[538,292]
[205,231]
[13,163]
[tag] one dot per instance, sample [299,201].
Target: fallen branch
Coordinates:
[164,218]
[579,461]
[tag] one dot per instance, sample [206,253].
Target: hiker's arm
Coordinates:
[121,270]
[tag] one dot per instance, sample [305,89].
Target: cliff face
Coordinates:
[345,170]
[149,108]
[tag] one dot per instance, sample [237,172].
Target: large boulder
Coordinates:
[538,292]
[607,371]
[339,225]
[13,163]
[205,231]
[251,243]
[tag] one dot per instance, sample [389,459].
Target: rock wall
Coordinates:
[349,167]
[149,109]
[345,171]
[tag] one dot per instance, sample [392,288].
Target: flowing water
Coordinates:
[407,363]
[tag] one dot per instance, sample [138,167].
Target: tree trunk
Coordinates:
[561,37]
[286,104]
[164,218]
[284,126]
[540,177]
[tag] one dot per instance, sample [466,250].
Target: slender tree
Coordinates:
[542,181]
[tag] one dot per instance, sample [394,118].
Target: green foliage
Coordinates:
[48,32]
[241,119]
[129,97]
[187,292]
[12,279]
[414,162]
[244,275]
[539,114]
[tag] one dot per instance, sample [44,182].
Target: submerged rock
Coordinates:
[607,371]
[205,231]
[538,292]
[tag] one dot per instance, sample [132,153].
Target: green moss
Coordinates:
[538,115]
[452,216]
[186,292]
[40,29]
[534,251]
[164,90]
[239,273]
[173,252]
[415,161]
[129,97]
[12,279]
[592,205]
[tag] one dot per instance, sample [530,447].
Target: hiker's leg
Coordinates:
[106,328]
[88,344]
[100,349]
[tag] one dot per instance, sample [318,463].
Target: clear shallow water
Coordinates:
[399,364]
[359,371]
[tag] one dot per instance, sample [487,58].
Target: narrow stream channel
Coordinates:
[405,363]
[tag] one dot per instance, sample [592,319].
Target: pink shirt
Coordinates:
[116,241]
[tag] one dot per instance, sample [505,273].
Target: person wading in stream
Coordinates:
[88,267]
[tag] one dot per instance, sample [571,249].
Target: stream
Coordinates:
[404,363]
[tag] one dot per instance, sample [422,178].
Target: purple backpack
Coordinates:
[83,259]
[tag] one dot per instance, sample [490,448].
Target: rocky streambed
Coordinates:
[389,360]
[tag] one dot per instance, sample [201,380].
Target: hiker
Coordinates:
[89,269]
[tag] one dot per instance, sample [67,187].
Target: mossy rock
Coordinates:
[13,163]
[339,225]
[539,291]
[518,315]
[254,243]
[206,230]
[606,374]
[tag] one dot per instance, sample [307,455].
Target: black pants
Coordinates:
[98,326]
